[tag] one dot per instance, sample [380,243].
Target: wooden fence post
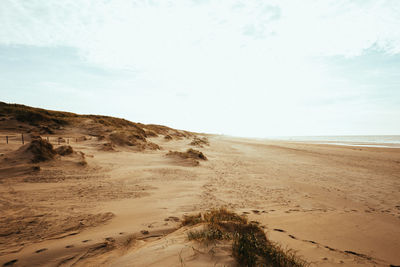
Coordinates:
[7,138]
[67,140]
[48,139]
[22,136]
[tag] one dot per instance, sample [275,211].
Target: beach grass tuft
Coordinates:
[250,246]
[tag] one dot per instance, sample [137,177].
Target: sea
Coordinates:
[392,141]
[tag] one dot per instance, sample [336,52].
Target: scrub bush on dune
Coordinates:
[189,154]
[41,150]
[64,150]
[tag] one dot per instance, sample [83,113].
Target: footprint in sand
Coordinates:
[10,263]
[279,230]
[310,241]
[40,250]
[256,211]
[87,240]
[331,249]
[69,246]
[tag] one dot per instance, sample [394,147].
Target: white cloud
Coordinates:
[139,34]
[258,56]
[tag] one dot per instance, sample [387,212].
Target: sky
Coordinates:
[251,68]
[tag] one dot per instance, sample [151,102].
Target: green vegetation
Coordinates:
[250,246]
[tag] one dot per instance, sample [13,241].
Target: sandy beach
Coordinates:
[153,133]
[334,205]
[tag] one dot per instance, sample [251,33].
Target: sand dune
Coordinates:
[335,205]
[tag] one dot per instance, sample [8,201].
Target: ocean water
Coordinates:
[349,140]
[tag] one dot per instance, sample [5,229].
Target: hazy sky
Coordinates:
[244,68]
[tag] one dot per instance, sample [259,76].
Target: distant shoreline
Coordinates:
[388,145]
[380,141]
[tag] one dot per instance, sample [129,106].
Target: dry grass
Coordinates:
[189,154]
[107,146]
[41,150]
[82,161]
[35,116]
[192,219]
[64,150]
[189,158]
[150,133]
[199,142]
[152,146]
[167,137]
[123,132]
[250,246]
[121,139]
[223,215]
[126,138]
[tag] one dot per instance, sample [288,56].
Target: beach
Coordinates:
[334,205]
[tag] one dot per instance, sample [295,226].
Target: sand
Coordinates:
[335,205]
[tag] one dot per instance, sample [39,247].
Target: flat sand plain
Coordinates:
[334,205]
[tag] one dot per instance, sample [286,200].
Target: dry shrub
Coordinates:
[223,215]
[191,157]
[199,142]
[192,219]
[64,150]
[45,130]
[111,121]
[208,235]
[250,246]
[189,154]
[41,150]
[152,146]
[107,146]
[82,160]
[195,154]
[127,139]
[120,139]
[166,131]
[150,133]
[134,140]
